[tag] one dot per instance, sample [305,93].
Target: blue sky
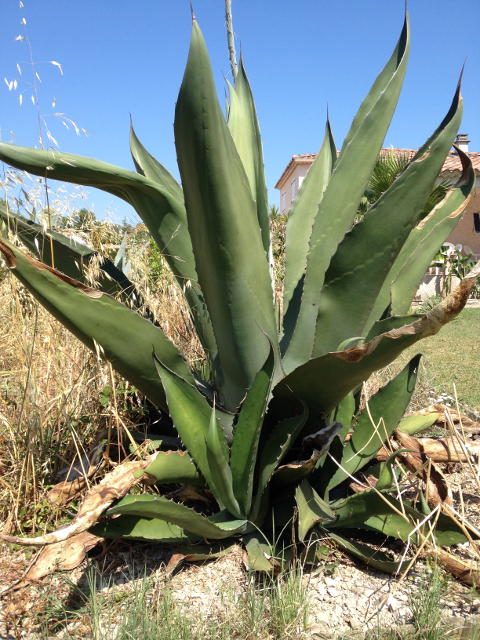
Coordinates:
[127,57]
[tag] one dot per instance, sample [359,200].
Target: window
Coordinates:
[282,204]
[300,180]
[476,222]
[293,189]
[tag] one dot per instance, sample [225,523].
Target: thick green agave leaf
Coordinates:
[69,256]
[416,424]
[368,510]
[149,506]
[323,382]
[364,258]
[344,413]
[299,229]
[151,168]
[245,130]
[429,235]
[388,472]
[372,557]
[311,509]
[389,403]
[175,466]
[220,470]
[140,528]
[191,415]
[247,433]
[421,246]
[163,215]
[275,449]
[222,219]
[391,323]
[93,317]
[339,204]
[296,470]
[320,478]
[258,553]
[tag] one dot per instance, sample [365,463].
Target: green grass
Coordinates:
[267,608]
[453,356]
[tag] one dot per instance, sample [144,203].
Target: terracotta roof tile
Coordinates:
[452,164]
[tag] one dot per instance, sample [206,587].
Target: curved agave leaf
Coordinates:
[415,424]
[174,466]
[244,451]
[368,510]
[430,234]
[344,414]
[311,509]
[163,215]
[95,317]
[222,218]
[69,256]
[421,246]
[257,552]
[150,506]
[338,207]
[323,382]
[220,470]
[386,408]
[387,475]
[275,449]
[365,256]
[391,323]
[372,557]
[245,130]
[319,443]
[140,528]
[191,415]
[151,168]
[299,229]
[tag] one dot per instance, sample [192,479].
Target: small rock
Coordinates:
[329,582]
[333,592]
[324,616]
[392,603]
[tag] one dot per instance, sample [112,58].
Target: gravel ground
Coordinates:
[343,595]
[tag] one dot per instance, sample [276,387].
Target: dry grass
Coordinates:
[50,383]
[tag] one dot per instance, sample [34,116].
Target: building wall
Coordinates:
[297,175]
[464,233]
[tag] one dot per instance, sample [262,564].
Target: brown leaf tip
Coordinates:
[191,9]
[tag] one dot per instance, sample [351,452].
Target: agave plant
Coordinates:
[284,390]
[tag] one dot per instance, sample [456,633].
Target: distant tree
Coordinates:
[83,219]
[385,173]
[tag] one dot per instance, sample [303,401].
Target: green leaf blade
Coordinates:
[220,469]
[245,129]
[311,509]
[247,433]
[93,317]
[174,466]
[151,168]
[338,207]
[364,258]
[299,229]
[149,506]
[229,254]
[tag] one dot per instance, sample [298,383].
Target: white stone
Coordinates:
[333,592]
[392,603]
